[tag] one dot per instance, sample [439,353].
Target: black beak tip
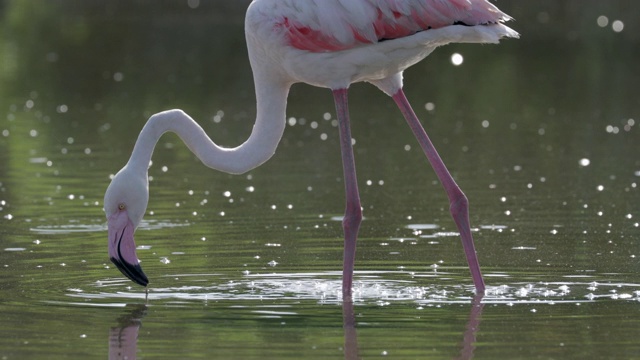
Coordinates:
[133,272]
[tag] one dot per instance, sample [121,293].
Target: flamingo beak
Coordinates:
[122,248]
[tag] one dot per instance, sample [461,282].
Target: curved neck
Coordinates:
[262,143]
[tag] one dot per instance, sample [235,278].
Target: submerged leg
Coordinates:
[459,205]
[353,211]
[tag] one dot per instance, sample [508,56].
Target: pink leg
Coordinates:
[353,212]
[459,205]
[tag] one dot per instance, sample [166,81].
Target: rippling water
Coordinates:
[541,133]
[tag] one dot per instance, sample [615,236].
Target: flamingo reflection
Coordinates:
[123,339]
[469,338]
[351,349]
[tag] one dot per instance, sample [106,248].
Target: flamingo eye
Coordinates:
[122,206]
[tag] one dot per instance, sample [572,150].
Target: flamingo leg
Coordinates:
[353,212]
[459,205]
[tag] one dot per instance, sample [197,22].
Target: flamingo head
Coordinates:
[125,203]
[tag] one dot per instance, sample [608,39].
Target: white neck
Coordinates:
[266,134]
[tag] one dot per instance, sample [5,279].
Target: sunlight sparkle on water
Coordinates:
[457,59]
[617,26]
[428,288]
[429,106]
[602,21]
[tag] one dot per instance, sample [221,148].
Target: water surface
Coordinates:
[541,133]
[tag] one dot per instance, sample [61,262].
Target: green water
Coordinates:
[541,133]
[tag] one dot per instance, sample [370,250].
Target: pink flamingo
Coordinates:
[328,43]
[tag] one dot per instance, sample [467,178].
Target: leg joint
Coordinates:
[352,217]
[459,205]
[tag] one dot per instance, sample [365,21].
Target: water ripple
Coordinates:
[75,228]
[373,287]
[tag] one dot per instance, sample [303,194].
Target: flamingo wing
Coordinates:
[333,25]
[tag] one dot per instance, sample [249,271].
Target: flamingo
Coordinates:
[331,44]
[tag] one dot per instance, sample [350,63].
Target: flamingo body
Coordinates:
[326,43]
[335,43]
[323,26]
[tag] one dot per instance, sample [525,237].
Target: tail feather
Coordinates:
[490,34]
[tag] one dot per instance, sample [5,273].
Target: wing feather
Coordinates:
[331,25]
